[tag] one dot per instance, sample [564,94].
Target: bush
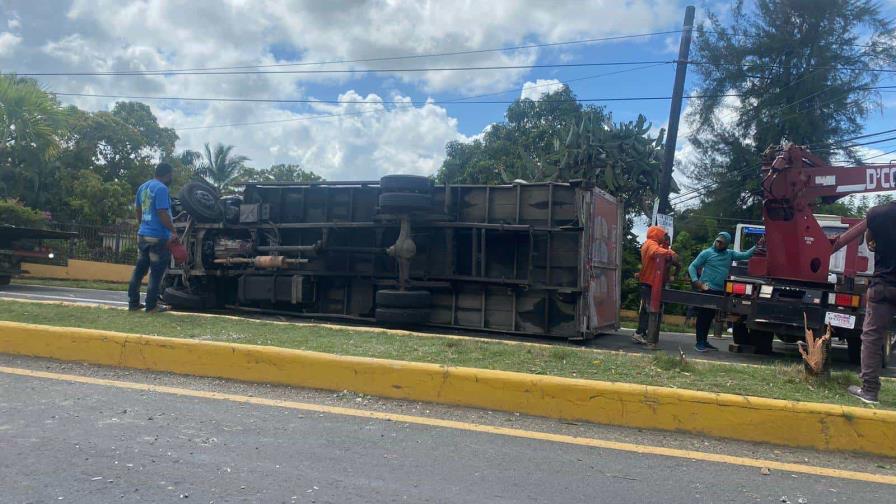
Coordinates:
[13,212]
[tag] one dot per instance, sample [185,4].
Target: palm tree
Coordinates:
[31,126]
[220,167]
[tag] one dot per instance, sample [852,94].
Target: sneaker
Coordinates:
[701,347]
[159,308]
[638,339]
[865,397]
[137,307]
[709,347]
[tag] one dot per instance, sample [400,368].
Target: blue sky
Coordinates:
[363,140]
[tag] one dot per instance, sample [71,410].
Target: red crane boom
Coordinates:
[793,179]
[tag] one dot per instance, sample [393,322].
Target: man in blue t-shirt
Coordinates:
[156,230]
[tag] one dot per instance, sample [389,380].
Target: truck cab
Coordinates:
[747,235]
[777,306]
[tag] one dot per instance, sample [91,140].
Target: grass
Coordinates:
[774,381]
[79,284]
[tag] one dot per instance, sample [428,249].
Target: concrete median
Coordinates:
[819,426]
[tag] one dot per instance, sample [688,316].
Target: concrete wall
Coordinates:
[81,270]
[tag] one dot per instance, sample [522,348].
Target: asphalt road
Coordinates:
[68,441]
[620,341]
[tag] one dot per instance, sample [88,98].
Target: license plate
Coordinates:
[840,320]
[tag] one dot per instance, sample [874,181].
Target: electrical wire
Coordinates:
[381,102]
[421,56]
[132,73]
[378,110]
[881,154]
[144,73]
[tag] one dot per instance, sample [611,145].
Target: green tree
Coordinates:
[95,201]
[800,69]
[278,173]
[220,166]
[121,145]
[557,138]
[31,129]
[14,213]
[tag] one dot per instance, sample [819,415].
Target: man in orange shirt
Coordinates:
[655,246]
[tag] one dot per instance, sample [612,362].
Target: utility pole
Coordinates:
[681,68]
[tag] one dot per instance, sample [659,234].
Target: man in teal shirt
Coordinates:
[715,263]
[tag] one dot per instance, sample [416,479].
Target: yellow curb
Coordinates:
[790,423]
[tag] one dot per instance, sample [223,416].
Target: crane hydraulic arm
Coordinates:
[793,179]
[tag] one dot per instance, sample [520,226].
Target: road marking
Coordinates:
[467,426]
[60,298]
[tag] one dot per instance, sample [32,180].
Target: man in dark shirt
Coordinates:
[880,300]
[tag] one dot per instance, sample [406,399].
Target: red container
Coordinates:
[178,251]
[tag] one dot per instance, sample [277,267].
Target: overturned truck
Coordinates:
[535,259]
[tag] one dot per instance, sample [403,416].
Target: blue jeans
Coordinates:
[153,257]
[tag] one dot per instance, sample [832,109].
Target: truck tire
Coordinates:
[763,341]
[402,316]
[398,202]
[403,299]
[5,279]
[888,349]
[201,201]
[854,350]
[741,333]
[405,183]
[182,299]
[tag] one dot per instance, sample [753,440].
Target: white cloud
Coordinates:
[362,142]
[103,35]
[8,43]
[535,90]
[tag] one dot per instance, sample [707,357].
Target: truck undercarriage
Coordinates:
[537,259]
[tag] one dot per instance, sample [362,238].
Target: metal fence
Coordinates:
[111,243]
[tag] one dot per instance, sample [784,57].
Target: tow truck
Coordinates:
[18,243]
[812,272]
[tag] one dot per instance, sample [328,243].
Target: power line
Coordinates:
[703,32]
[131,73]
[364,112]
[398,102]
[857,145]
[420,56]
[881,154]
[382,102]
[868,135]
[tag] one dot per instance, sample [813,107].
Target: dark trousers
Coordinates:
[705,316]
[643,314]
[880,305]
[153,257]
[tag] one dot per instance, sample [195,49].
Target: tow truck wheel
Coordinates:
[5,279]
[888,349]
[763,341]
[740,333]
[854,350]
